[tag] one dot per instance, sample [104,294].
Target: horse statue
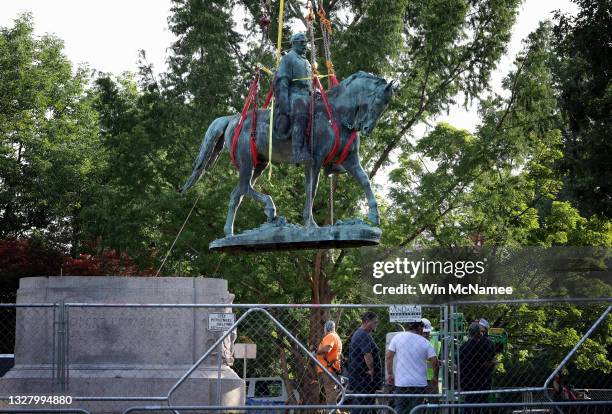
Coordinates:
[356,104]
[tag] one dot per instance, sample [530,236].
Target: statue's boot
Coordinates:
[298,138]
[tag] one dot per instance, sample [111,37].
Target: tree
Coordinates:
[584,47]
[152,135]
[49,139]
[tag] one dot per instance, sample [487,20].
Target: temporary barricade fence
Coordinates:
[535,350]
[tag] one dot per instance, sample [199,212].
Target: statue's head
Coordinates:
[380,100]
[298,43]
[371,95]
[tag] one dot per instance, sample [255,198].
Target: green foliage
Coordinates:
[583,71]
[104,164]
[49,149]
[501,184]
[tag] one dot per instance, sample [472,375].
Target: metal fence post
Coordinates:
[67,369]
[445,357]
[451,356]
[219,352]
[59,348]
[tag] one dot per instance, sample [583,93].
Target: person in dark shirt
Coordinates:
[490,351]
[364,367]
[475,357]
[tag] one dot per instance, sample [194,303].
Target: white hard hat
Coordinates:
[426,325]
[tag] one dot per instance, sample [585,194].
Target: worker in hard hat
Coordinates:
[435,342]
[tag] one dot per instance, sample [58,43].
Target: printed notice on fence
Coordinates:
[404,313]
[220,321]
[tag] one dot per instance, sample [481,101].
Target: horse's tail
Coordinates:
[211,147]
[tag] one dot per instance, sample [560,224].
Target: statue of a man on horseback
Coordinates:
[354,105]
[292,90]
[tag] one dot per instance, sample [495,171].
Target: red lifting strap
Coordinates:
[253,143]
[336,147]
[252,96]
[252,99]
[347,148]
[268,98]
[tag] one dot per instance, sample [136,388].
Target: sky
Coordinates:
[107,35]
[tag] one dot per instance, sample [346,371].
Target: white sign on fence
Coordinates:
[220,321]
[404,313]
[248,351]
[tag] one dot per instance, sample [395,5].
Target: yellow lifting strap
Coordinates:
[278,53]
[259,65]
[314,75]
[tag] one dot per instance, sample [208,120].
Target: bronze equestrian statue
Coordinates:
[356,105]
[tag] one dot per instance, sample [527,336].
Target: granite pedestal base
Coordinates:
[114,351]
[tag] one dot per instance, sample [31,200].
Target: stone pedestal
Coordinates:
[112,351]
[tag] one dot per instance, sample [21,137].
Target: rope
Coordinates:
[332,189]
[326,30]
[177,236]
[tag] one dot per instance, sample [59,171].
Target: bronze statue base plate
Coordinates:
[279,235]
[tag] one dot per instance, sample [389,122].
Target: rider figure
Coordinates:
[293,87]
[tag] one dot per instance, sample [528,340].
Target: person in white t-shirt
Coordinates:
[406,363]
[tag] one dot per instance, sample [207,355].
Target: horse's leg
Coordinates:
[236,197]
[270,208]
[235,200]
[354,168]
[311,190]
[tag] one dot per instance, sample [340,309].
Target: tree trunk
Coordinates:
[321,294]
[285,374]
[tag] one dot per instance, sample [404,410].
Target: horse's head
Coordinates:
[380,100]
[369,96]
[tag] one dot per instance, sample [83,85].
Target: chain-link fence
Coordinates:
[531,351]
[293,409]
[542,407]
[278,355]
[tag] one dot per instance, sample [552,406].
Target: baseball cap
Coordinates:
[426,325]
[484,323]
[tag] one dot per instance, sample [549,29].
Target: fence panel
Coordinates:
[548,407]
[527,348]
[536,352]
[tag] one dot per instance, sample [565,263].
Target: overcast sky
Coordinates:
[108,34]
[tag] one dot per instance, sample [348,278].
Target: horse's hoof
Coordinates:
[311,223]
[279,221]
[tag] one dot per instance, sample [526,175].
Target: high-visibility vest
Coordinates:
[434,340]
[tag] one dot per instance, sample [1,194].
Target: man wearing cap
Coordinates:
[406,363]
[292,89]
[329,354]
[489,350]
